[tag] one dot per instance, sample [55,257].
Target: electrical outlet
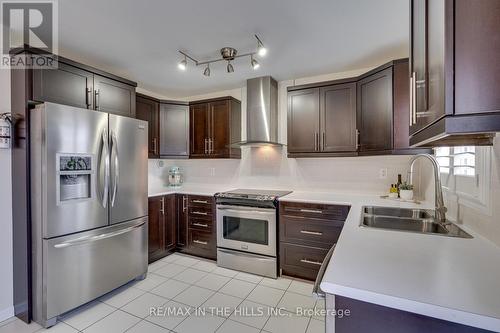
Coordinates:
[382,174]
[212,172]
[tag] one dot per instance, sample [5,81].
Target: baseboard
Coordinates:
[6,313]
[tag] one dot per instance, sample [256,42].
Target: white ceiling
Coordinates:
[139,39]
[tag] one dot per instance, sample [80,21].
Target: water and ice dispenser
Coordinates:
[74,177]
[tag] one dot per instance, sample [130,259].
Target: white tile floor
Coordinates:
[250,303]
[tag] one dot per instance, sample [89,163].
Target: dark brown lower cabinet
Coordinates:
[368,317]
[182,222]
[162,226]
[170,228]
[307,232]
[156,222]
[196,232]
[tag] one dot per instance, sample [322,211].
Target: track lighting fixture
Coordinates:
[227,54]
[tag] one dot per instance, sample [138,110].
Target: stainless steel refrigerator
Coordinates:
[89,206]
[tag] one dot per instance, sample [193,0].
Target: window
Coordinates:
[459,161]
[465,175]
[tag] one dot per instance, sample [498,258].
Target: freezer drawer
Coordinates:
[81,267]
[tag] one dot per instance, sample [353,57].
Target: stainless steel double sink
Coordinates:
[409,220]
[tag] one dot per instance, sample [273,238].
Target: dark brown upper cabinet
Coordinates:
[374,115]
[215,125]
[147,109]
[113,96]
[199,123]
[174,130]
[303,121]
[365,115]
[66,85]
[338,118]
[383,111]
[454,72]
[322,120]
[82,86]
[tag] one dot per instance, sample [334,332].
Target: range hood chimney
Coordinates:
[262,112]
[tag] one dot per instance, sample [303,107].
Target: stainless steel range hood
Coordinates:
[262,112]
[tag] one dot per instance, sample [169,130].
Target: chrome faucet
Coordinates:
[438,191]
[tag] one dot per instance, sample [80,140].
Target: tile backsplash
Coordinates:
[268,167]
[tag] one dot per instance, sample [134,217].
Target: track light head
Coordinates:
[261,50]
[255,64]
[182,64]
[206,72]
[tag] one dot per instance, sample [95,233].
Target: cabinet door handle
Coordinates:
[411,100]
[96,97]
[311,262]
[204,225]
[210,146]
[155,146]
[316,233]
[324,141]
[315,141]
[414,101]
[88,97]
[316,211]
[200,201]
[200,242]
[199,213]
[184,203]
[206,145]
[358,145]
[162,209]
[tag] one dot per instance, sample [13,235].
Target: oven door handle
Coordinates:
[317,292]
[246,211]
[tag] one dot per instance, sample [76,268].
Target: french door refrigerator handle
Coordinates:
[105,159]
[116,168]
[317,292]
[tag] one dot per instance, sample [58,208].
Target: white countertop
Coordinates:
[449,278]
[194,189]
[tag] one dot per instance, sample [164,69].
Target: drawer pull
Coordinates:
[204,225]
[200,242]
[315,211]
[316,233]
[200,201]
[311,262]
[199,213]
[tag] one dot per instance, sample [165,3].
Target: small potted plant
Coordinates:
[406,191]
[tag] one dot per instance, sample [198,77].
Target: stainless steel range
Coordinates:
[247,230]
